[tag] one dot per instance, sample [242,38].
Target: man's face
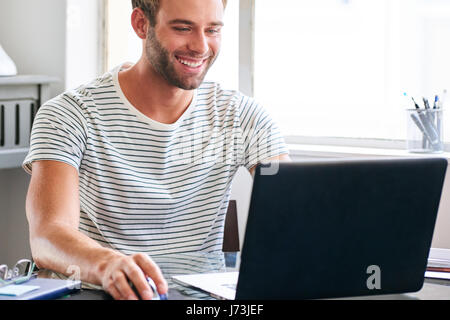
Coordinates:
[185,41]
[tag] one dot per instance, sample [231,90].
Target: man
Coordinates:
[139,162]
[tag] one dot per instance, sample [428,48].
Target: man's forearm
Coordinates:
[60,248]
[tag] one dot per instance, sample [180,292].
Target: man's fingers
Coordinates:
[121,283]
[137,277]
[112,290]
[150,268]
[128,271]
[110,287]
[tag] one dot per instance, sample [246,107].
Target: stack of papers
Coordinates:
[437,275]
[438,266]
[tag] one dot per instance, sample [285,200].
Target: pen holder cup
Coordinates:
[424,130]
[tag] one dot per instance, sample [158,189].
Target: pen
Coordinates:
[415,103]
[436,99]
[428,114]
[425,103]
[427,124]
[428,121]
[421,127]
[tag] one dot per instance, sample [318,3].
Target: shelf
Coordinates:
[20,99]
[12,158]
[26,80]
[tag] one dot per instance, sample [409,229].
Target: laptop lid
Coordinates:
[339,228]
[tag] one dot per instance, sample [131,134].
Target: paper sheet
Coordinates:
[16,290]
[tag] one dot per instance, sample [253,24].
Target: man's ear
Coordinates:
[140,23]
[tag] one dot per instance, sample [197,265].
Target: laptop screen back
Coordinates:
[340,228]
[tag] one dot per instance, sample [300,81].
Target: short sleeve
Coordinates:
[59,133]
[262,138]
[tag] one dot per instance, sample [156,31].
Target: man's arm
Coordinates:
[283,157]
[53,213]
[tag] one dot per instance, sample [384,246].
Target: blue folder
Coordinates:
[48,289]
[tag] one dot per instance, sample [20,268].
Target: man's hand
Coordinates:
[120,269]
[53,212]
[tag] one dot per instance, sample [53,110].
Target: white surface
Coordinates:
[218,285]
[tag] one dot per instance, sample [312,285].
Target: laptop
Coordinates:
[333,229]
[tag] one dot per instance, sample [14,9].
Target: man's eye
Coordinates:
[214,31]
[183,29]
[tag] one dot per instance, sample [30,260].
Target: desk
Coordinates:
[189,263]
[170,265]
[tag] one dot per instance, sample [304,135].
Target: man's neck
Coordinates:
[152,95]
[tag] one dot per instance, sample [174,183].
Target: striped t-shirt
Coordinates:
[146,186]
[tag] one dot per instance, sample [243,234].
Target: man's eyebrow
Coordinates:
[180,21]
[217,23]
[188,22]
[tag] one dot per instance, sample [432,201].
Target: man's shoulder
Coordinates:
[214,91]
[229,105]
[101,84]
[81,96]
[216,88]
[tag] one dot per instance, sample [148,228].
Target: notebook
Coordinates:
[335,228]
[39,289]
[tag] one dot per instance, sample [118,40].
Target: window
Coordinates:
[84,41]
[338,68]
[326,68]
[124,45]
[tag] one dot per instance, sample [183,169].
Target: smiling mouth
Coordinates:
[191,62]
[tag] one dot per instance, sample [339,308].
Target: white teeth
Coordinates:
[190,64]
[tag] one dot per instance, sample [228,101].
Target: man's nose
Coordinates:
[199,44]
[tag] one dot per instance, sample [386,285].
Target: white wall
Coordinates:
[33,33]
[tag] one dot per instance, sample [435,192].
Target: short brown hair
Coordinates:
[151,7]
